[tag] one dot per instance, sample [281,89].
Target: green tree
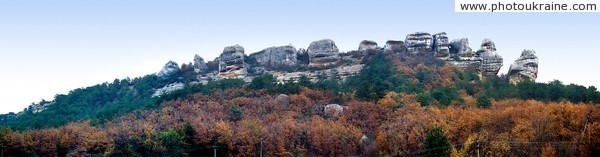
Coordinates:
[304,81]
[266,81]
[172,141]
[425,99]
[483,101]
[188,133]
[235,113]
[445,96]
[436,143]
[375,79]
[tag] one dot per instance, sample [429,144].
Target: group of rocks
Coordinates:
[323,55]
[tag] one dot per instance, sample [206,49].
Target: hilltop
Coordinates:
[395,100]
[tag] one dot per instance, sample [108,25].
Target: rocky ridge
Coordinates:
[322,57]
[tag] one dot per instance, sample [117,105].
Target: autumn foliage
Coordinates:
[423,108]
[508,128]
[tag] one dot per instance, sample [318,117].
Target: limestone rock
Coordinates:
[394,46]
[367,45]
[39,107]
[167,89]
[441,45]
[491,62]
[231,62]
[282,99]
[199,64]
[170,68]
[461,48]
[276,56]
[323,53]
[333,109]
[419,42]
[524,68]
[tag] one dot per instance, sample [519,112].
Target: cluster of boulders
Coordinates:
[324,57]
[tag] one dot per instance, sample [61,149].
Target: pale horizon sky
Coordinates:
[52,47]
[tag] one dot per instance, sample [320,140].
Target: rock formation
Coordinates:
[418,42]
[462,56]
[461,48]
[199,64]
[368,45]
[231,62]
[322,57]
[524,68]
[276,56]
[491,62]
[282,99]
[441,45]
[170,68]
[333,109]
[323,53]
[394,46]
[167,89]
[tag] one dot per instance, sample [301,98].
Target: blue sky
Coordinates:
[51,47]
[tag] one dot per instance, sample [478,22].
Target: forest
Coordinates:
[398,105]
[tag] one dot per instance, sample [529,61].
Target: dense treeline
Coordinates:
[99,101]
[399,105]
[242,123]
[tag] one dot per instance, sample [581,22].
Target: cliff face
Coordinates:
[322,57]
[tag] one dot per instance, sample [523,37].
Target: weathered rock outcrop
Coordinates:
[282,99]
[491,62]
[323,53]
[333,109]
[322,57]
[167,89]
[462,56]
[394,46]
[419,42]
[276,56]
[368,45]
[199,64]
[461,48]
[231,62]
[441,45]
[524,68]
[170,68]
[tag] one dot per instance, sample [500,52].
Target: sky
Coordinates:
[52,47]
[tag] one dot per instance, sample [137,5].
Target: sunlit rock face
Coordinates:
[441,45]
[231,62]
[169,69]
[394,46]
[524,68]
[367,45]
[323,53]
[276,56]
[419,42]
[199,64]
[491,62]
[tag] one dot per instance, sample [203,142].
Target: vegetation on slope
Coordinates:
[400,105]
